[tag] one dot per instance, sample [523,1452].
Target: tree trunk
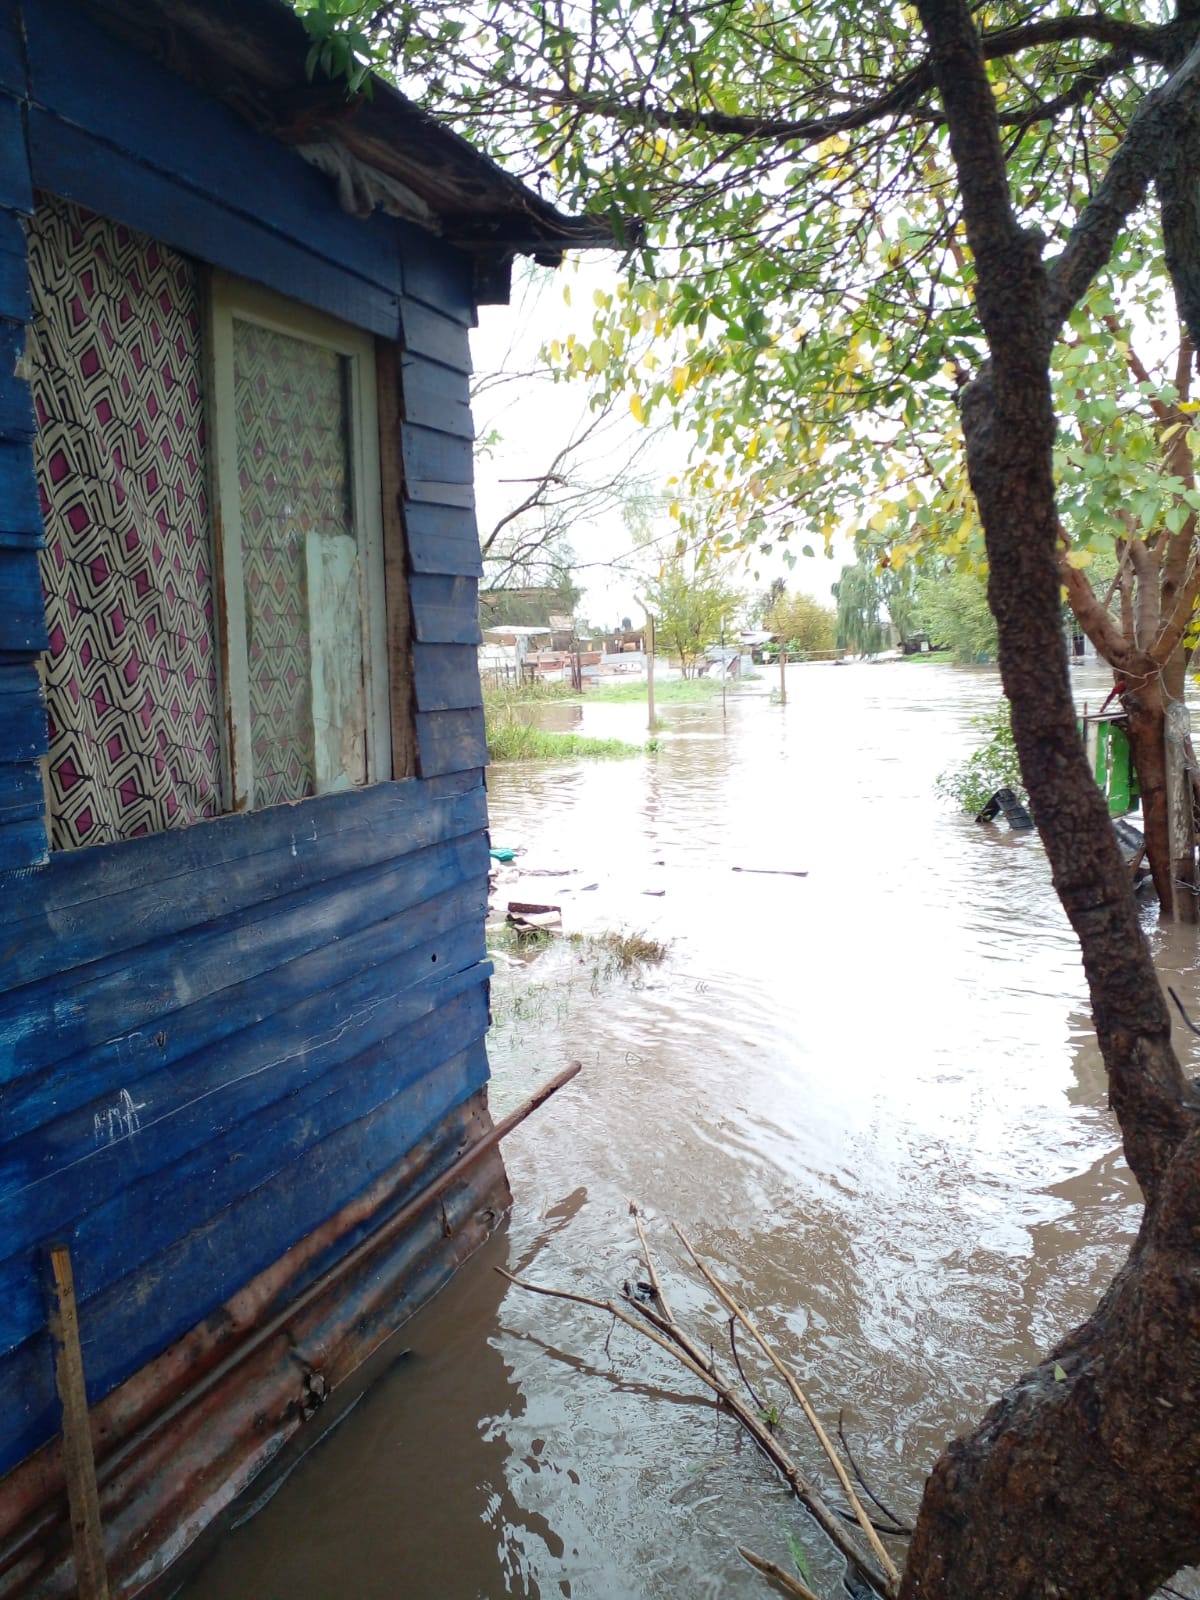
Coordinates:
[1143,700]
[1081,1481]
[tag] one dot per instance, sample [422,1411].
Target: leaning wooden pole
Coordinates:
[1180,822]
[650,672]
[79,1463]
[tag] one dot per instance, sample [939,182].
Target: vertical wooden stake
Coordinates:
[1179,814]
[650,670]
[78,1462]
[782,674]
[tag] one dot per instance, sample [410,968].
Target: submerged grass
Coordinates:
[545,976]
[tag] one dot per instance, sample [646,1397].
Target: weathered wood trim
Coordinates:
[395,562]
[443,539]
[433,492]
[437,396]
[452,741]
[446,676]
[445,609]
[431,456]
[428,333]
[13,77]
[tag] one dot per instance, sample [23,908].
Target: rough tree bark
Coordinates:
[1082,1480]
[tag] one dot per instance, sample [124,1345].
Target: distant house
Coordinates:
[243,831]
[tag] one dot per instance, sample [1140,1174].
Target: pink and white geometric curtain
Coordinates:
[116,369]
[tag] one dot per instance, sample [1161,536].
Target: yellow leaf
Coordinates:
[1079,559]
[637,407]
[1189,405]
[566,294]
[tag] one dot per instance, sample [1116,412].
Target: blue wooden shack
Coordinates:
[243,847]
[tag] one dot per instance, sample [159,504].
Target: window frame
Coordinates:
[231,298]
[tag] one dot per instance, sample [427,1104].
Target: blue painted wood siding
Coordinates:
[211,1038]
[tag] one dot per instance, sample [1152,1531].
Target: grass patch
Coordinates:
[630,952]
[509,739]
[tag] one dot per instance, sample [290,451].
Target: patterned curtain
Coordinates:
[300,565]
[131,683]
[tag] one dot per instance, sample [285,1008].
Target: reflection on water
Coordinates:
[871,1095]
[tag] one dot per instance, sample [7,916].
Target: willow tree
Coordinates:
[797,173]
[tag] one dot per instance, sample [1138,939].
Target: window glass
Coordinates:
[300,565]
[304,647]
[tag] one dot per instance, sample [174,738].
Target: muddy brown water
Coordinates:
[870,1095]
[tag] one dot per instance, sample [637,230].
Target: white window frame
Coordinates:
[232,298]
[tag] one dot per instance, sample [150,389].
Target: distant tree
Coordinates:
[953,611]
[806,627]
[756,611]
[691,603]
[869,597]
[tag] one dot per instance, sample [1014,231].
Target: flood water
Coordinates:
[871,1096]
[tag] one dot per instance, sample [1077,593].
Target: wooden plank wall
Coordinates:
[23,731]
[211,1039]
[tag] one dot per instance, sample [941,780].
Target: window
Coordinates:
[299,547]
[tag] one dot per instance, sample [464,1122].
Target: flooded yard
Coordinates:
[870,1095]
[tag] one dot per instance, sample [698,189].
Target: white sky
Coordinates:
[535,417]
